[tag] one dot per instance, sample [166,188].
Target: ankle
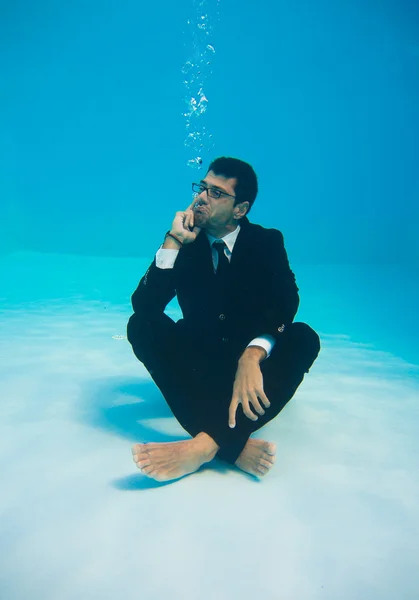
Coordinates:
[207,445]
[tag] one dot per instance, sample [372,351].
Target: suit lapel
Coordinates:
[241,246]
[202,255]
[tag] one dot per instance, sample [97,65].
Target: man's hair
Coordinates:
[247,183]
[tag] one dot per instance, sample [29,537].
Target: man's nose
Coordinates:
[203,195]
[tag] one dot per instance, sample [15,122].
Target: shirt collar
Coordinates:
[229,239]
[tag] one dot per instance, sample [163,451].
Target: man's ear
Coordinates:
[241,209]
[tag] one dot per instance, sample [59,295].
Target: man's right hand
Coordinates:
[183,221]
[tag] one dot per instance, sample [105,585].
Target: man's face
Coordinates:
[216,214]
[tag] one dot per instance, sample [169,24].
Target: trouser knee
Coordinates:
[138,336]
[151,335]
[133,329]
[306,343]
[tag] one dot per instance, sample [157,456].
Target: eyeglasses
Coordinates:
[198,188]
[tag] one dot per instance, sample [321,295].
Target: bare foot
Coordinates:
[257,457]
[171,460]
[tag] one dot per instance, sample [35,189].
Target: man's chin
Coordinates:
[200,219]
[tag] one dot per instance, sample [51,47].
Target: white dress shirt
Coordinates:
[166,257]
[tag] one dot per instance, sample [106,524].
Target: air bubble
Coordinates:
[187,67]
[196,71]
[195,163]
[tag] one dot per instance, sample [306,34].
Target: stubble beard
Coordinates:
[200,219]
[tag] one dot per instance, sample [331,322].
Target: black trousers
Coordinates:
[198,387]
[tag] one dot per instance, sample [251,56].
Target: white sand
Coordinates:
[337,518]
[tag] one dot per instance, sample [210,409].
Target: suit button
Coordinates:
[222,317]
[225,339]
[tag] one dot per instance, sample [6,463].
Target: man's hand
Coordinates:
[248,387]
[183,225]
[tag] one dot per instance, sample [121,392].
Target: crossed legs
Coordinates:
[199,391]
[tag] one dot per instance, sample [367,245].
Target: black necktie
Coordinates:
[223,264]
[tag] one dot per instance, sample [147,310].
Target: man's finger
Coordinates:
[232,413]
[190,207]
[256,405]
[264,398]
[246,409]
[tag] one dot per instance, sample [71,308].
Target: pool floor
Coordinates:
[337,517]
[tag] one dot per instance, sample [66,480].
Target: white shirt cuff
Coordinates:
[166,257]
[267,342]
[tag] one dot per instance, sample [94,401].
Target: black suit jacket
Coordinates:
[259,297]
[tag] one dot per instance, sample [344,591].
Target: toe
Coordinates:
[262,470]
[271,449]
[268,458]
[138,448]
[139,457]
[147,470]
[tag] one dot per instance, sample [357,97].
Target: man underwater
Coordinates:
[235,358]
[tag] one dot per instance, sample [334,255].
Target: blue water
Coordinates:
[322,100]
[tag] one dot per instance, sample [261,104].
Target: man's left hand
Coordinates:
[248,387]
